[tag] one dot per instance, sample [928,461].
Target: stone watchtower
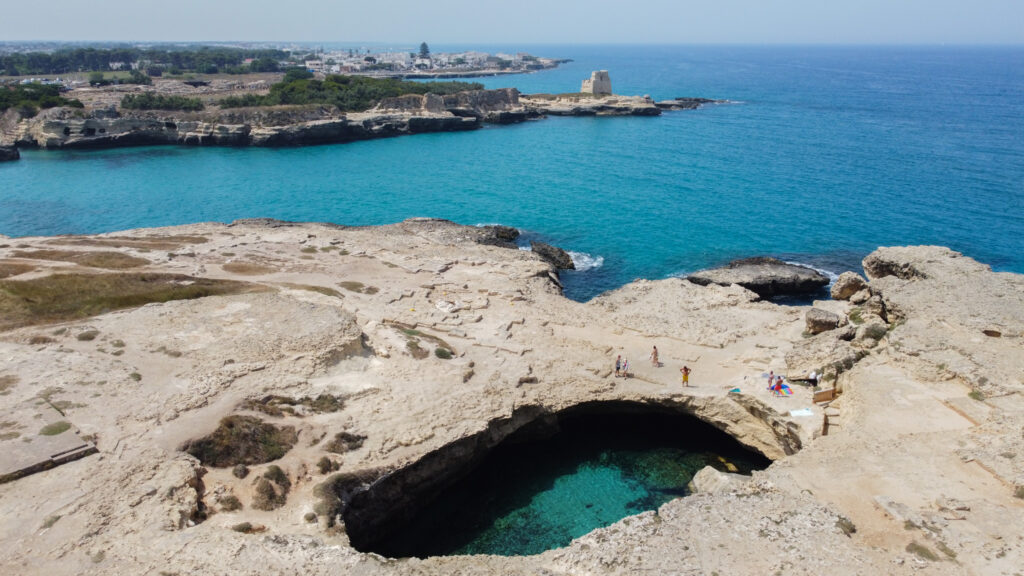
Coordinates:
[598,83]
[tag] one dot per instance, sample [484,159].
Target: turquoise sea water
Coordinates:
[824,154]
[532,497]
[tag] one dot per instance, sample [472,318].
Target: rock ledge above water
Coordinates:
[765,276]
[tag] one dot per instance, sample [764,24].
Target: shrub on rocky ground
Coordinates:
[272,489]
[230,503]
[326,465]
[280,405]
[276,475]
[243,440]
[345,442]
[266,497]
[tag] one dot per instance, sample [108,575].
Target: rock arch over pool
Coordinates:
[537,480]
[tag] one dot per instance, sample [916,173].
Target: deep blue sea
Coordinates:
[823,154]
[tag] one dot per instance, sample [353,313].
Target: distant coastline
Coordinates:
[106,122]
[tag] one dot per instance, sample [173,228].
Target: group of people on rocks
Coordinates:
[622,367]
[777,385]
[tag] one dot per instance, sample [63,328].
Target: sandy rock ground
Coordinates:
[912,474]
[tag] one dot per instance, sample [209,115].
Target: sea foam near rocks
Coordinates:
[832,276]
[584,261]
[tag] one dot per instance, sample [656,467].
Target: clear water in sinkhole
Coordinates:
[529,497]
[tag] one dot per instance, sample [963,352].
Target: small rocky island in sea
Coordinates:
[211,398]
[304,107]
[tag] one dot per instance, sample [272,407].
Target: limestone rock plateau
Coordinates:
[339,358]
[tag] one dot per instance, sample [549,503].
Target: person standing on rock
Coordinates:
[685,370]
[618,366]
[654,357]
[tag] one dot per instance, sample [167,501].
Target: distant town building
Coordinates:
[402,59]
[598,83]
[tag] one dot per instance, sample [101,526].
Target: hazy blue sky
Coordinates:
[521,21]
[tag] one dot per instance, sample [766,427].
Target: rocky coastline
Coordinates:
[68,128]
[378,362]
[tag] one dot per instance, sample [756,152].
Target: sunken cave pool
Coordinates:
[554,479]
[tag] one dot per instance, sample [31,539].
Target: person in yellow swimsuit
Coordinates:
[686,375]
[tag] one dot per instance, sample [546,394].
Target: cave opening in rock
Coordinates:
[554,479]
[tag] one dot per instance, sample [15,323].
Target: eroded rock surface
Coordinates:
[920,450]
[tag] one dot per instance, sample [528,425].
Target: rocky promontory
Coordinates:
[765,276]
[108,127]
[278,126]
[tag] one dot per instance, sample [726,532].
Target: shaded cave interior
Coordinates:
[535,480]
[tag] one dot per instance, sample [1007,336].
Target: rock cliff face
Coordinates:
[8,134]
[65,128]
[68,128]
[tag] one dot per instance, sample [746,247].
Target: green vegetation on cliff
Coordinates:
[31,97]
[348,93]
[151,101]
